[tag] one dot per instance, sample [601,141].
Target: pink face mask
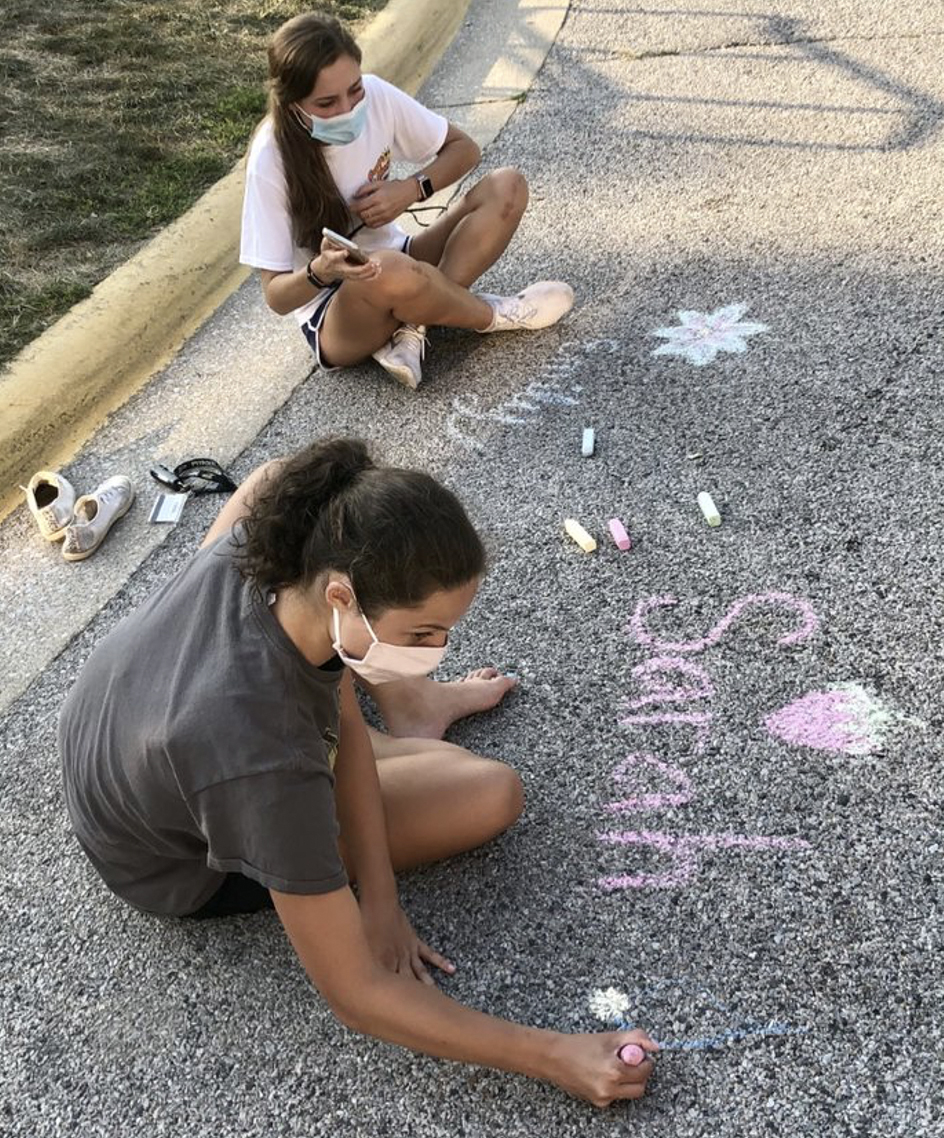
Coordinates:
[383,663]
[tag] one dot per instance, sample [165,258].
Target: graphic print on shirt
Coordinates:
[331,742]
[381,168]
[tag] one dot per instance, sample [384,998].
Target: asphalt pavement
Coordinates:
[729,737]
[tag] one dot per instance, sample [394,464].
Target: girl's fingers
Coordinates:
[629,1091]
[331,252]
[436,958]
[348,271]
[363,272]
[420,972]
[640,1037]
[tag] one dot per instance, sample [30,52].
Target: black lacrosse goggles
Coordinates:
[195,476]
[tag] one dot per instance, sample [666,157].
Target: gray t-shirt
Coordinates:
[198,741]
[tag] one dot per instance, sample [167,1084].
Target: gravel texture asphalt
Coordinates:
[785,157]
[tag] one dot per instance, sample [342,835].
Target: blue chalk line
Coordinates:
[731,1035]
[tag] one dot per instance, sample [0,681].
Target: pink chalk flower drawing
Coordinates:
[702,335]
[845,719]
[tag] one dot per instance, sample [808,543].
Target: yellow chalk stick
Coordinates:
[580,535]
[709,509]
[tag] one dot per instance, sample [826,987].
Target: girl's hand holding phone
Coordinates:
[333,264]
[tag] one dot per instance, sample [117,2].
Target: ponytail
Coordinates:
[397,534]
[297,53]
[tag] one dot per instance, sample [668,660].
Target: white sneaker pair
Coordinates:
[81,524]
[537,306]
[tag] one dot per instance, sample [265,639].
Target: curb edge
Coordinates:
[62,386]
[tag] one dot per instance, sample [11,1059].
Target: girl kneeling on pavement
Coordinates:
[215,759]
[321,158]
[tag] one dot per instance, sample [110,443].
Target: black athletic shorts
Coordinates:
[237,894]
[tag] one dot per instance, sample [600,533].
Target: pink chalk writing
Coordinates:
[808,622]
[667,680]
[700,720]
[649,673]
[693,717]
[685,854]
[659,801]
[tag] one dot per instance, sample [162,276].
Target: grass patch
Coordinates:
[115,116]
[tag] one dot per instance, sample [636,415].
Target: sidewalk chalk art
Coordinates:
[468,421]
[806,622]
[845,719]
[702,335]
[706,1023]
[676,693]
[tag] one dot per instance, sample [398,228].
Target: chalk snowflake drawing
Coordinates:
[844,719]
[609,1004]
[702,335]
[704,1022]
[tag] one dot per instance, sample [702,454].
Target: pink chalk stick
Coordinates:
[631,1054]
[620,536]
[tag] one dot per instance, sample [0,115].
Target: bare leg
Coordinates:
[440,800]
[474,233]
[425,708]
[364,314]
[431,285]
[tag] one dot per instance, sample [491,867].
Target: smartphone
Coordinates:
[354,252]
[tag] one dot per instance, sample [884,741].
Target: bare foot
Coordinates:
[425,709]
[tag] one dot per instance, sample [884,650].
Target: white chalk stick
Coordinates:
[579,535]
[709,509]
[589,440]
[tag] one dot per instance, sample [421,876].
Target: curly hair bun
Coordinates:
[397,534]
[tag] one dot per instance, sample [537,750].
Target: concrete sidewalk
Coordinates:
[766,898]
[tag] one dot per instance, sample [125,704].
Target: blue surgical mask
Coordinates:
[338,130]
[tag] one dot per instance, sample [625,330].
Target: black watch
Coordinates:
[313,277]
[425,185]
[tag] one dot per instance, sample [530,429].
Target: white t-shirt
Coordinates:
[397,129]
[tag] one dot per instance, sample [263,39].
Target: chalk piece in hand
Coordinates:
[709,509]
[589,438]
[620,536]
[580,535]
[631,1054]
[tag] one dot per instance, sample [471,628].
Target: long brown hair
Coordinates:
[298,51]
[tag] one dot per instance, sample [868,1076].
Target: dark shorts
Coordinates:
[237,894]
[311,329]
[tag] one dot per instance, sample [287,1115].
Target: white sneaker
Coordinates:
[95,514]
[403,354]
[538,306]
[51,500]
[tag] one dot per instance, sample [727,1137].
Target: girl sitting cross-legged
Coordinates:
[321,158]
